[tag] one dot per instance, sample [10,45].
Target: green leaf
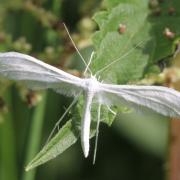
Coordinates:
[57,145]
[163,45]
[141,26]
[111,45]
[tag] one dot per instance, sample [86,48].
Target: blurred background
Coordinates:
[134,147]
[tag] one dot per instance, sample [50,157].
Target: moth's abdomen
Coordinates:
[86,122]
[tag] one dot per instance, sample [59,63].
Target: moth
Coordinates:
[39,75]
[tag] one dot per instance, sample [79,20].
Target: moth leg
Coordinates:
[61,118]
[97,132]
[114,113]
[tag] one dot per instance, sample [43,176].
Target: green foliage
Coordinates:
[135,51]
[111,45]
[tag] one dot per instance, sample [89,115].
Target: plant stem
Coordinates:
[35,136]
[174,150]
[8,152]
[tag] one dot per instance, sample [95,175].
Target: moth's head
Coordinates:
[87,75]
[93,78]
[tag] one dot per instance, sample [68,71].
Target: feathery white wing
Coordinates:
[38,75]
[163,100]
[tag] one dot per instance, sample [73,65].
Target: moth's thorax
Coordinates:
[92,84]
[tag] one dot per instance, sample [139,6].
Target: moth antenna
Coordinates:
[118,59]
[82,58]
[97,133]
[90,60]
[61,118]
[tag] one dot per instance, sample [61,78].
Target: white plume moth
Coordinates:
[39,75]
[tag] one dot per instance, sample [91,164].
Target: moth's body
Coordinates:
[92,86]
[39,75]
